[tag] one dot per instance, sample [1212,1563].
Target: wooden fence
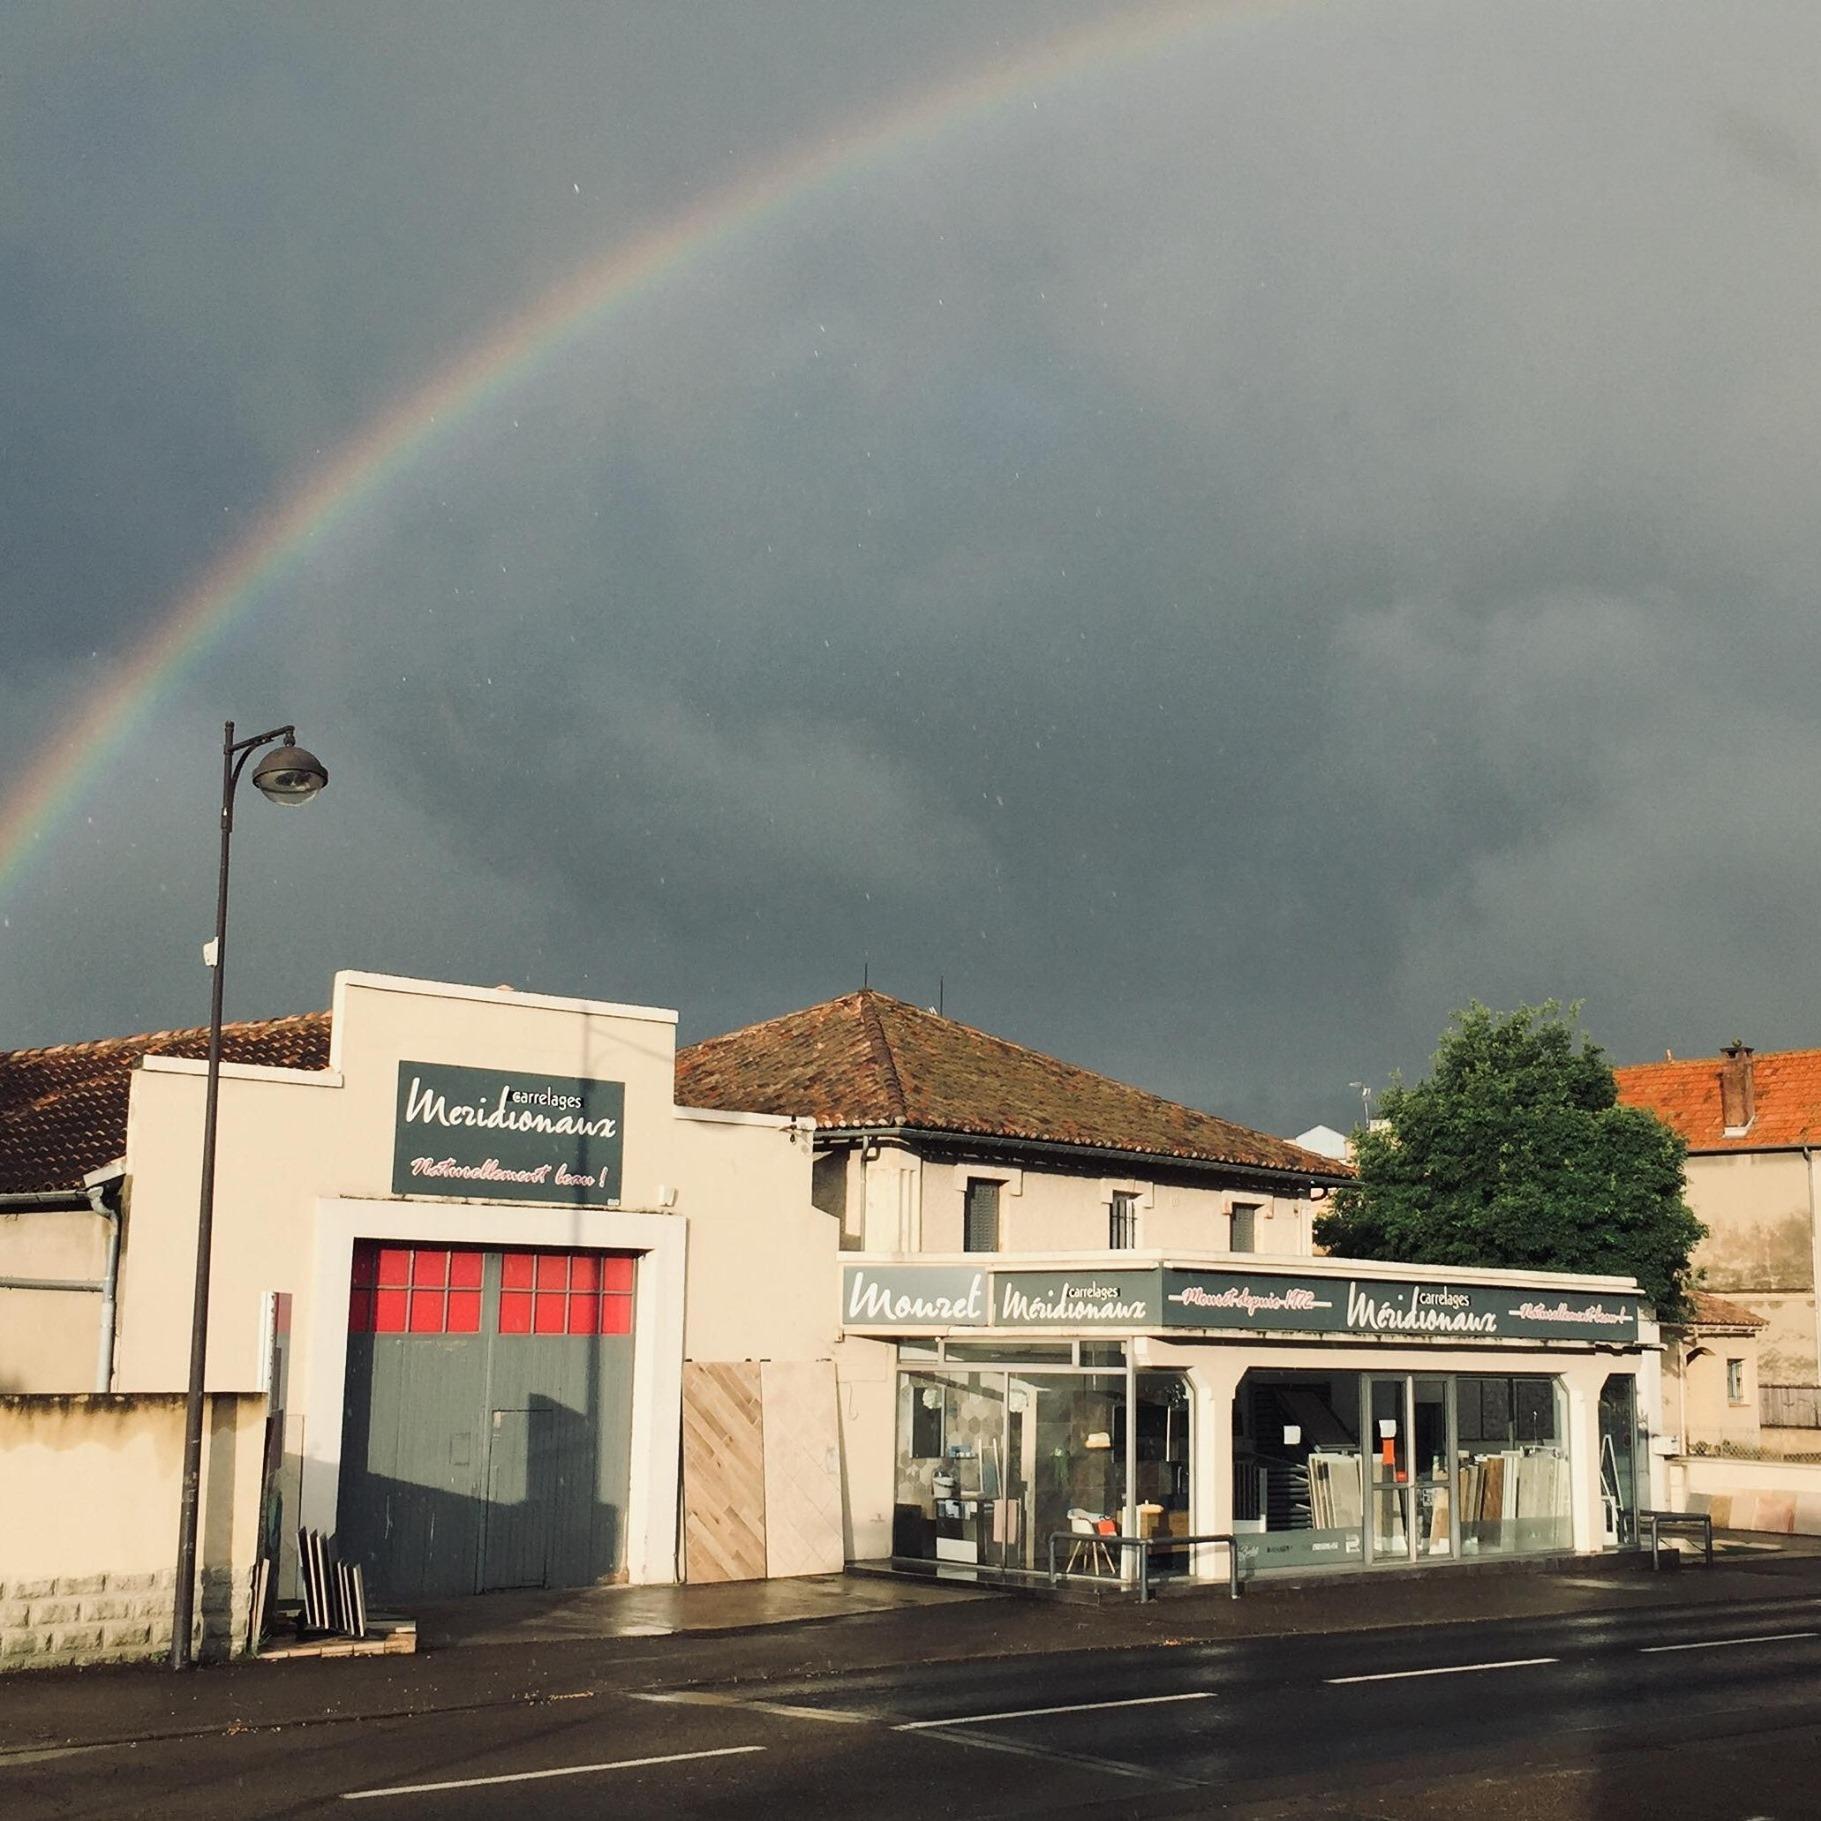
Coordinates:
[1789,1406]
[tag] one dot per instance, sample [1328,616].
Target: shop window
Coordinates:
[1122,1221]
[1512,1466]
[1735,1381]
[401,1289]
[981,1225]
[565,1293]
[1297,1472]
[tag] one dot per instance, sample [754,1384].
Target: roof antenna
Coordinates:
[866,972]
[939,984]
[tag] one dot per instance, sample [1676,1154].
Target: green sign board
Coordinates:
[1275,1302]
[1076,1299]
[1231,1302]
[500,1135]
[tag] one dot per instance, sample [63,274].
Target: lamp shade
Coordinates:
[288,774]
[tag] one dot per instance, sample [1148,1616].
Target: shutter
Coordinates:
[982,1228]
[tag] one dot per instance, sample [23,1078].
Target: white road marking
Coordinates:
[688,1697]
[1775,1637]
[534,1776]
[1034,1713]
[1451,1669]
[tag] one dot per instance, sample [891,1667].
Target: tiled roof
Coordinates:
[871,1060]
[1708,1311]
[1786,1094]
[63,1110]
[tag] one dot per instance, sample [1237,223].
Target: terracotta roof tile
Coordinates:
[1709,1311]
[63,1109]
[1786,1093]
[871,1060]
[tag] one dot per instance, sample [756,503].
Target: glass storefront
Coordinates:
[1389,1467]
[1619,1455]
[992,1460]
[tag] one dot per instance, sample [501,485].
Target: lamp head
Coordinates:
[289,775]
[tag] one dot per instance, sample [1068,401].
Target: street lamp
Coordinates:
[287,775]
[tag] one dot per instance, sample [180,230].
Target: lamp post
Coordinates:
[287,775]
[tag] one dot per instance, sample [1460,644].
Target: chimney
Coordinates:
[1737,1106]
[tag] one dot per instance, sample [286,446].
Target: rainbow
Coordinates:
[283,538]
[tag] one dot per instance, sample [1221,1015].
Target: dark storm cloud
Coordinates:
[1220,560]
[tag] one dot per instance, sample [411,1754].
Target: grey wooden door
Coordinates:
[522,1499]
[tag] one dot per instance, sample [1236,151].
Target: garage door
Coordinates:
[487,1423]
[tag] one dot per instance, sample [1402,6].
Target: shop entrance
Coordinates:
[487,1419]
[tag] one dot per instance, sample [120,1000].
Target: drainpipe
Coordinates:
[103,1190]
[1814,1257]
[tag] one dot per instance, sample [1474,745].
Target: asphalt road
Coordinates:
[1699,1712]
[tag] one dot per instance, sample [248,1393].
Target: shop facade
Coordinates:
[478,1263]
[1325,1413]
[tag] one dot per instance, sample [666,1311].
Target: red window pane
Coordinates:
[465,1270]
[550,1310]
[360,1311]
[394,1265]
[515,1311]
[426,1311]
[389,1312]
[366,1262]
[585,1314]
[515,1272]
[584,1271]
[429,1268]
[616,1273]
[552,1271]
[616,1314]
[464,1311]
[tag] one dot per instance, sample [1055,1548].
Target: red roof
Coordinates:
[871,1060]
[63,1109]
[1708,1311]
[1786,1095]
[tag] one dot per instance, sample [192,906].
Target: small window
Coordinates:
[1122,1221]
[981,1233]
[1735,1381]
[1245,1228]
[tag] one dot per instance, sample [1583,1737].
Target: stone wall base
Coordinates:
[116,1618]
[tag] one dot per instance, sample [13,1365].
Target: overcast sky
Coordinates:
[1219,557]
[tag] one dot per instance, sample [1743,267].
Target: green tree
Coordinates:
[1515,1151]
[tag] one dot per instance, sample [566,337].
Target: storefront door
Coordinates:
[1388,1432]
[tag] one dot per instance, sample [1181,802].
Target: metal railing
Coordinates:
[1655,1522]
[1144,1545]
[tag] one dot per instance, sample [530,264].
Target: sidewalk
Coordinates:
[673,1637]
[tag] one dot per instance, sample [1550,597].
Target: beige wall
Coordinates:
[1760,1250]
[899,1202]
[49,1338]
[1694,1390]
[95,1582]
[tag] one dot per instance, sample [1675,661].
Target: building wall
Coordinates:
[49,1338]
[95,1584]
[896,1201]
[736,1261]
[1694,1391]
[1760,1249]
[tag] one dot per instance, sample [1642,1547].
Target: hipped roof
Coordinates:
[870,1061]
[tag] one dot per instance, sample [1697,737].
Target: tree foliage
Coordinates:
[1515,1151]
